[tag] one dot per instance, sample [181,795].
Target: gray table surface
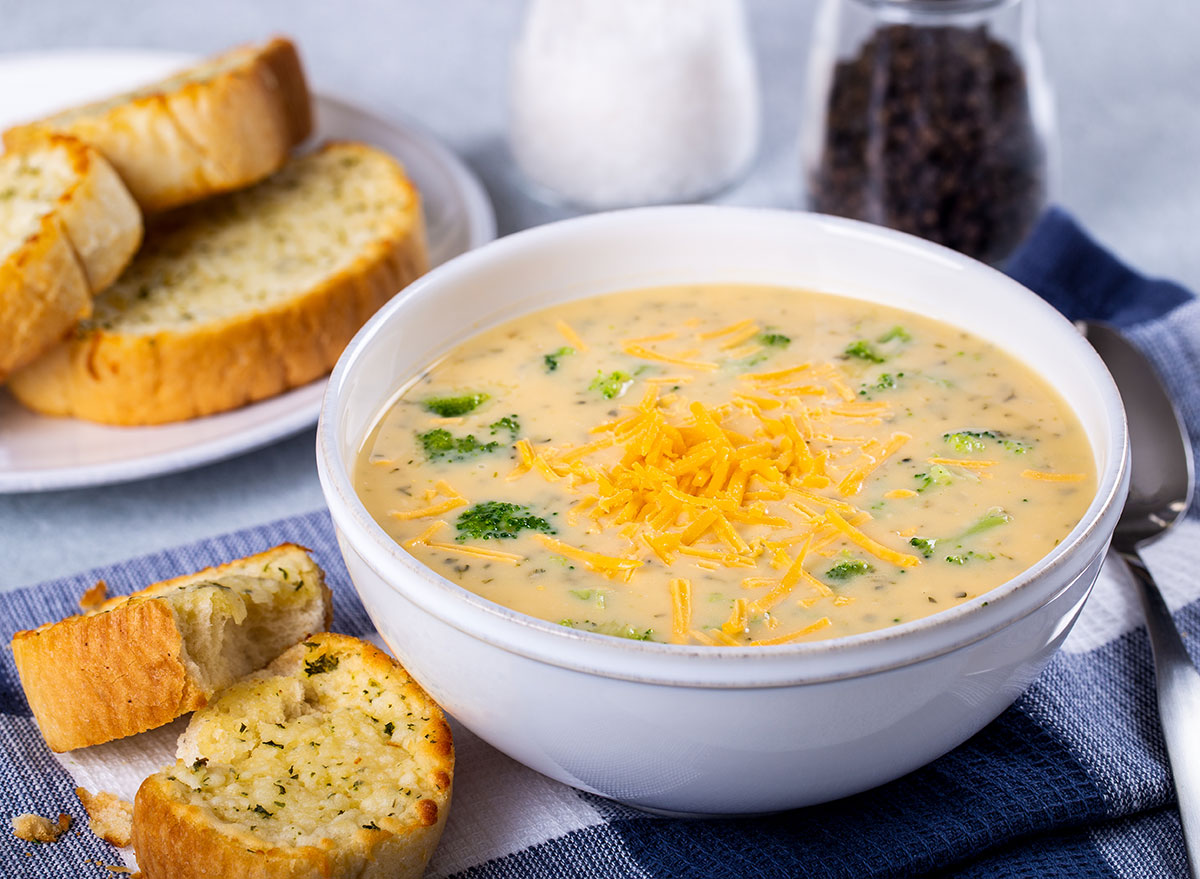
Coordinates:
[1127,76]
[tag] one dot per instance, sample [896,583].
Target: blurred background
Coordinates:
[1126,78]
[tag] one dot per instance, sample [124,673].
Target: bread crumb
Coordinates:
[124,871]
[109,816]
[35,828]
[94,597]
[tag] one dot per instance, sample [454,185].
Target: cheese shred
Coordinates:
[1045,476]
[681,608]
[570,335]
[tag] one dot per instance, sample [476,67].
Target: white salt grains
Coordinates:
[625,102]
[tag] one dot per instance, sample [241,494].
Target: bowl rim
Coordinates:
[355,523]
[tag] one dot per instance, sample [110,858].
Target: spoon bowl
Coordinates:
[1162,471]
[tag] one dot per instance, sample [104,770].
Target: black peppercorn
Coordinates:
[929,130]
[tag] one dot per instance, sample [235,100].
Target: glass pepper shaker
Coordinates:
[930,116]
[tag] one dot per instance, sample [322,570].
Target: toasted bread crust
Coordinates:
[176,840]
[90,679]
[82,243]
[119,669]
[185,840]
[165,376]
[192,138]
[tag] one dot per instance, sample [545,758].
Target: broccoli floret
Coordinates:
[510,423]
[971,554]
[612,385]
[848,569]
[937,474]
[894,334]
[774,340]
[551,360]
[595,596]
[440,443]
[497,520]
[616,630]
[886,382]
[967,441]
[925,545]
[991,519]
[864,350]
[941,475]
[437,443]
[452,407]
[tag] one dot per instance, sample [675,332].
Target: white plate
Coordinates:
[39,453]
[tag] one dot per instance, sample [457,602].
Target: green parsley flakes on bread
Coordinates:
[332,763]
[138,661]
[241,297]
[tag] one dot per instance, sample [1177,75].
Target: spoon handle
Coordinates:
[1178,703]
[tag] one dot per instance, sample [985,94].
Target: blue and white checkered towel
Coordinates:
[1072,781]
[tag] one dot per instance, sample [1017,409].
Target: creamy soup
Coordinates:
[727,465]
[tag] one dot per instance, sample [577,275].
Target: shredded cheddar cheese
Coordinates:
[822,623]
[873,547]
[422,539]
[711,484]
[603,564]
[425,539]
[739,337]
[570,335]
[452,500]
[732,328]
[1044,476]
[681,608]
[646,354]
[738,619]
[962,462]
[476,552]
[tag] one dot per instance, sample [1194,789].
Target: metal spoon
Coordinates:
[1160,487]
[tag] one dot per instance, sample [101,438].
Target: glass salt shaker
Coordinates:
[930,116]
[627,102]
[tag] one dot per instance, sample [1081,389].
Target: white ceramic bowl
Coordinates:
[687,729]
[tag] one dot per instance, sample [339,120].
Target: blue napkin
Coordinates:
[1071,781]
[1084,281]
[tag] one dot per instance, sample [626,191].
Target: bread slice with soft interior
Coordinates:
[223,124]
[139,661]
[330,763]
[240,297]
[68,226]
